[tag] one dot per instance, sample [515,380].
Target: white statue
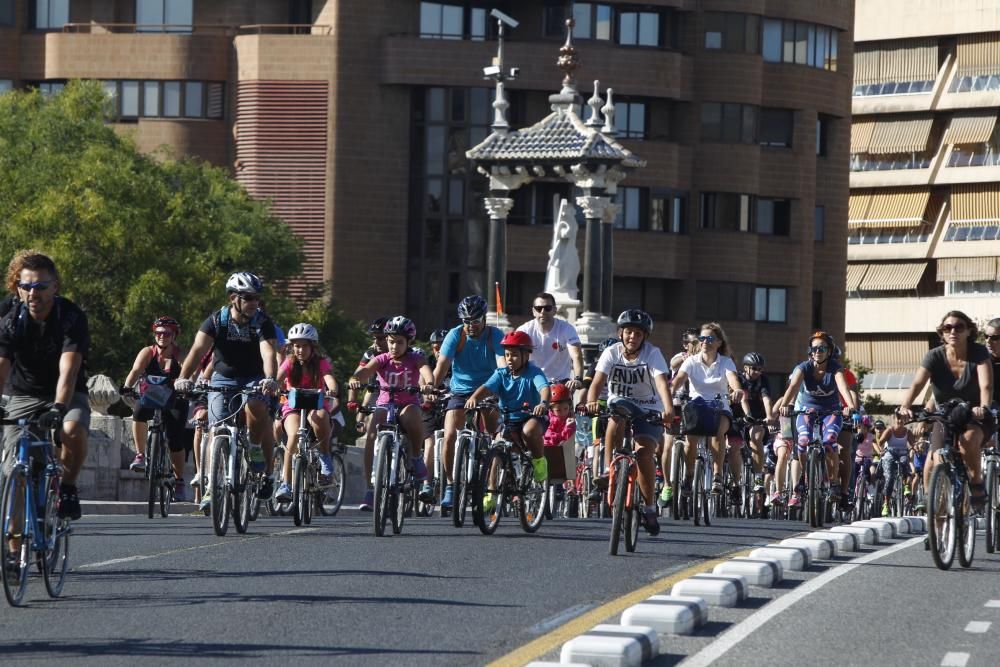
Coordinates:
[564,263]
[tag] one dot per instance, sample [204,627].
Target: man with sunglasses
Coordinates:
[472,352]
[242,339]
[557,345]
[993,345]
[44,340]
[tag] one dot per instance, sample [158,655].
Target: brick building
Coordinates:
[354,117]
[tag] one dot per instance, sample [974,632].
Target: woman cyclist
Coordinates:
[893,447]
[162,358]
[306,367]
[635,373]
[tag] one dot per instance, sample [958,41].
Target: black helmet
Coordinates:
[437,336]
[636,318]
[753,359]
[605,344]
[472,308]
[401,326]
[377,326]
[879,423]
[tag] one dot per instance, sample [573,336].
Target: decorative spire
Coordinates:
[595,103]
[567,59]
[609,115]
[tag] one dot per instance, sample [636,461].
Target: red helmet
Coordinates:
[166,322]
[559,393]
[518,339]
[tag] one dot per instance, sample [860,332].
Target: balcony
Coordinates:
[912,314]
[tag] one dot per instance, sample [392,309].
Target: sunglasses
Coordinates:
[163,333]
[543,309]
[994,338]
[819,349]
[706,339]
[472,321]
[755,368]
[248,297]
[957,328]
[39,286]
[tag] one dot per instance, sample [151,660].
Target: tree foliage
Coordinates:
[134,236]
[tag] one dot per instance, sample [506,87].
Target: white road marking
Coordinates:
[744,628]
[992,603]
[954,659]
[560,618]
[978,627]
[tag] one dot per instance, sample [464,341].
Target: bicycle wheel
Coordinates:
[153,475]
[253,487]
[941,528]
[284,507]
[56,557]
[309,492]
[397,494]
[203,468]
[15,559]
[166,492]
[549,501]
[241,495]
[333,493]
[699,495]
[219,490]
[531,497]
[494,467]
[992,499]
[298,490]
[383,447]
[461,493]
[619,480]
[814,503]
[676,476]
[965,524]
[632,510]
[586,486]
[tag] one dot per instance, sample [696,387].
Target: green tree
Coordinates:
[134,236]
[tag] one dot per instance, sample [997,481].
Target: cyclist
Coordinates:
[756,404]
[242,340]
[781,446]
[556,343]
[636,374]
[689,346]
[524,391]
[711,373]
[562,425]
[992,333]
[821,378]
[399,367]
[893,446]
[44,340]
[958,369]
[307,368]
[472,353]
[599,425]
[847,439]
[163,358]
[433,419]
[377,331]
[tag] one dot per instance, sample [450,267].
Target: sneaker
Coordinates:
[489,503]
[920,507]
[426,493]
[257,459]
[180,495]
[138,463]
[667,494]
[885,509]
[906,489]
[777,499]
[419,468]
[266,488]
[284,494]
[369,501]
[717,484]
[794,501]
[446,501]
[541,466]
[758,483]
[69,502]
[195,482]
[206,501]
[325,464]
[650,521]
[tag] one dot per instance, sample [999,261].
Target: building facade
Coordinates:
[924,221]
[353,117]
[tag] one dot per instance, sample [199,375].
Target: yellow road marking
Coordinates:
[539,647]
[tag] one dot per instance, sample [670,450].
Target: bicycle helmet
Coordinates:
[377,327]
[166,322]
[636,318]
[437,336]
[826,337]
[518,339]
[879,423]
[303,331]
[866,421]
[753,359]
[401,326]
[559,393]
[605,344]
[472,308]
[244,281]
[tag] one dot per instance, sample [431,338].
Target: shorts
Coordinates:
[456,402]
[708,415]
[174,425]
[217,402]
[830,430]
[918,462]
[20,407]
[520,422]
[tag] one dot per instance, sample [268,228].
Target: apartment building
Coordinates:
[924,218]
[353,117]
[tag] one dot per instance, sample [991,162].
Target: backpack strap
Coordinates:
[487,331]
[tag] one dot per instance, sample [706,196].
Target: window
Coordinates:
[819,223]
[593,21]
[630,119]
[730,31]
[164,15]
[776,127]
[151,98]
[987,231]
[441,21]
[5,85]
[538,203]
[554,18]
[50,87]
[129,99]
[769,304]
[773,216]
[667,211]
[727,211]
[728,123]
[822,135]
[631,215]
[6,13]
[715,300]
[193,99]
[50,14]
[990,287]
[800,43]
[171,99]
[638,28]
[649,294]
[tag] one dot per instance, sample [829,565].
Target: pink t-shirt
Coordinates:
[866,448]
[560,430]
[307,382]
[403,372]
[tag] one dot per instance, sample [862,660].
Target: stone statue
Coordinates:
[564,263]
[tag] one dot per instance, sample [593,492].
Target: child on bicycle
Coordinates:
[399,367]
[560,436]
[306,367]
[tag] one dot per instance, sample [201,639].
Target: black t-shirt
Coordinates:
[36,350]
[237,350]
[944,384]
[756,390]
[996,380]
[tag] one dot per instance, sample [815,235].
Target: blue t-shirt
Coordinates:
[819,394]
[514,392]
[475,362]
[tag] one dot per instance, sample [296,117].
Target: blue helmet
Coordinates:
[472,308]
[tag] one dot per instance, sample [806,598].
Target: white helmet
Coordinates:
[244,281]
[303,331]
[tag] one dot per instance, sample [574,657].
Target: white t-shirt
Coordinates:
[709,381]
[551,352]
[633,380]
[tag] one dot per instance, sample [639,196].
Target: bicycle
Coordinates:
[29,511]
[950,524]
[751,498]
[817,481]
[155,393]
[307,491]
[471,446]
[426,508]
[509,475]
[701,504]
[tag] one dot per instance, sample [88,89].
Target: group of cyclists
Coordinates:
[537,375]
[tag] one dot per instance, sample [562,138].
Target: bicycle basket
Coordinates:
[155,392]
[305,399]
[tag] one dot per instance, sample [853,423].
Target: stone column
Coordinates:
[611,212]
[496,272]
[592,326]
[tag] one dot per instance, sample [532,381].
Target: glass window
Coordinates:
[760,304]
[6,13]
[435,149]
[477,24]
[776,127]
[731,118]
[801,42]
[772,41]
[129,99]
[581,17]
[630,216]
[151,98]
[435,104]
[178,14]
[5,85]
[747,135]
[711,121]
[715,27]
[172,99]
[822,46]
[632,119]
[451,22]
[628,28]
[788,41]
[194,92]
[832,64]
[811,46]
[430,19]
[776,297]
[51,14]
[733,40]
[110,89]
[603,22]
[752,43]
[649,29]
[819,223]
[822,138]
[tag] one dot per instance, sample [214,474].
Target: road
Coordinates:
[168,588]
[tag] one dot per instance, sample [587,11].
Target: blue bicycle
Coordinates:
[29,511]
